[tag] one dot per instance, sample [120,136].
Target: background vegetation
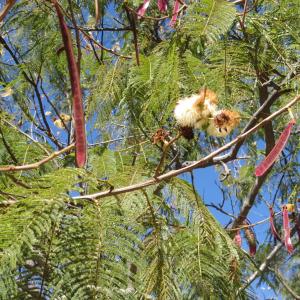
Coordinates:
[158,240]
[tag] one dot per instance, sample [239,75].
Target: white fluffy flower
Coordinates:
[195,111]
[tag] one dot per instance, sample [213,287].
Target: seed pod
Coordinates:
[264,166]
[162,5]
[78,114]
[238,239]
[142,9]
[175,13]
[286,230]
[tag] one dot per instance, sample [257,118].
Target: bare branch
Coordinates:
[166,147]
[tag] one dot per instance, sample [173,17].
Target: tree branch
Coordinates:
[131,19]
[6,9]
[37,164]
[36,91]
[204,162]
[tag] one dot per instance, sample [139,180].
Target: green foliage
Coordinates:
[161,241]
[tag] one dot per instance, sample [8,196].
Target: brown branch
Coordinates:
[166,147]
[36,164]
[97,12]
[126,28]
[252,225]
[9,4]
[53,107]
[248,203]
[90,38]
[258,114]
[270,142]
[261,268]
[263,97]
[131,19]
[50,157]
[36,91]
[204,162]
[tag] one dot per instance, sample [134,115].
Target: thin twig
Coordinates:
[50,157]
[166,147]
[36,91]
[126,28]
[254,224]
[89,37]
[28,136]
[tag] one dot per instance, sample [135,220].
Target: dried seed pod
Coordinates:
[162,5]
[175,13]
[187,132]
[142,9]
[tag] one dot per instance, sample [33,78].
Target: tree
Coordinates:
[127,225]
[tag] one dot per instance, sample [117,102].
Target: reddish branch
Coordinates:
[79,122]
